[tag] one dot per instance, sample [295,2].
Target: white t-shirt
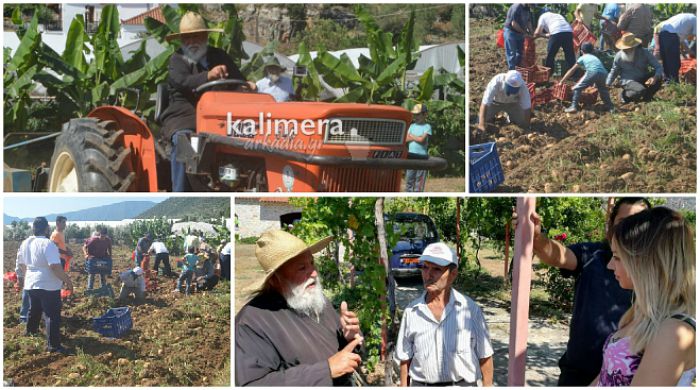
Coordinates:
[227,249]
[681,24]
[280,90]
[553,23]
[496,93]
[158,247]
[38,254]
[191,241]
[127,277]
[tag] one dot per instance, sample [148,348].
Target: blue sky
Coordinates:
[32,206]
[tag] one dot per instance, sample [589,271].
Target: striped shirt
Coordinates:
[445,350]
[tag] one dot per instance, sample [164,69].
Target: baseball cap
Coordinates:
[514,79]
[138,271]
[439,253]
[419,108]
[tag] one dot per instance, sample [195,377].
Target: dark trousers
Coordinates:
[635,91]
[562,40]
[48,303]
[178,175]
[571,376]
[515,44]
[461,383]
[165,258]
[225,261]
[670,47]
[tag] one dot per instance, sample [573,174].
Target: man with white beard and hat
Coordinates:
[194,64]
[631,64]
[289,334]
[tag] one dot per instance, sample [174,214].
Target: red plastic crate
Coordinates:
[543,96]
[535,73]
[688,71]
[582,34]
[529,54]
[562,92]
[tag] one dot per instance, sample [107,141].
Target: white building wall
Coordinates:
[255,218]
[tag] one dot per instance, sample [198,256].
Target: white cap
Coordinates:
[439,253]
[138,271]
[514,79]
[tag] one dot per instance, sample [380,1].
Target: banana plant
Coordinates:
[379,78]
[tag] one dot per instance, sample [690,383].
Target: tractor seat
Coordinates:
[162,101]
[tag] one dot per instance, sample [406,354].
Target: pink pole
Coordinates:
[522,273]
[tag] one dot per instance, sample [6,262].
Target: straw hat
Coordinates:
[277,247]
[627,41]
[419,108]
[191,23]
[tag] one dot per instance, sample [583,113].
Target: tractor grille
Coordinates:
[360,180]
[367,131]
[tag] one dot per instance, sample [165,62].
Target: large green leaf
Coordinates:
[407,44]
[24,56]
[108,57]
[392,72]
[425,85]
[75,44]
[338,72]
[19,85]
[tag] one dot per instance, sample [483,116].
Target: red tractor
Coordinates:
[244,142]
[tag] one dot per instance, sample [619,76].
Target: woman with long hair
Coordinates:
[654,256]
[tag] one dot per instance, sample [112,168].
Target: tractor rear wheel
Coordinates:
[90,156]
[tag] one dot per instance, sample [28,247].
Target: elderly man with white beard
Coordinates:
[289,334]
[631,64]
[194,64]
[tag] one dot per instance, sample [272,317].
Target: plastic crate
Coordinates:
[560,68]
[589,96]
[542,96]
[500,41]
[485,172]
[535,73]
[529,54]
[98,266]
[562,92]
[115,323]
[582,34]
[688,71]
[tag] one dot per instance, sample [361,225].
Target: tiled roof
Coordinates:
[154,13]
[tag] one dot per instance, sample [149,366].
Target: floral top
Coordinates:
[619,364]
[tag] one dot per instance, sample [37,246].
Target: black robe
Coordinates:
[183,78]
[276,346]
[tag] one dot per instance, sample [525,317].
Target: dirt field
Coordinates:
[546,339]
[643,147]
[175,340]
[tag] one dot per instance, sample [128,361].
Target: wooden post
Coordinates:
[459,235]
[384,260]
[507,258]
[522,272]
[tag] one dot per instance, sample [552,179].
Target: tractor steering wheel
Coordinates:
[233,84]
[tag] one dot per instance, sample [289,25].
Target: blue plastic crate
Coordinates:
[98,266]
[485,172]
[115,323]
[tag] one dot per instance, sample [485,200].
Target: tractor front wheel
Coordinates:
[90,156]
